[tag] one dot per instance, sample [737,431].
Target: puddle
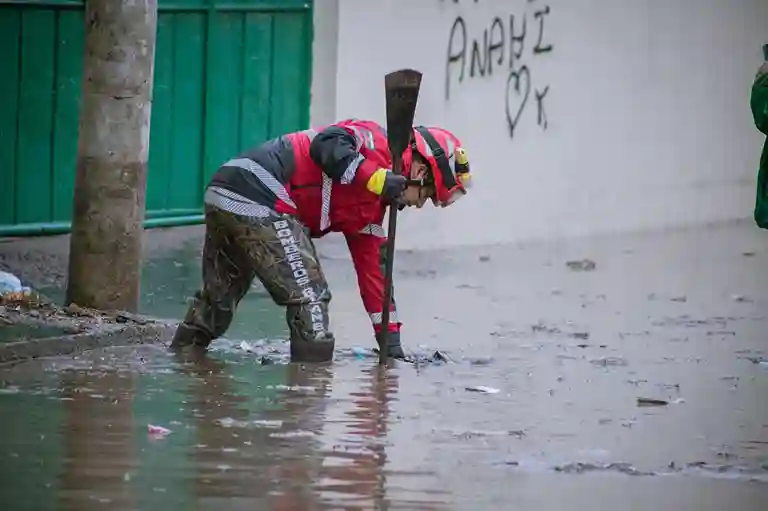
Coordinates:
[564,426]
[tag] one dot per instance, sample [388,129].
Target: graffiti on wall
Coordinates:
[508,46]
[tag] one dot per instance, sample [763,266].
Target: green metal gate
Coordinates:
[228,75]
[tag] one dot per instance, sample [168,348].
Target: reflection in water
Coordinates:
[356,474]
[97,437]
[243,435]
[263,446]
[268,457]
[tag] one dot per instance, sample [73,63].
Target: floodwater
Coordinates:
[537,407]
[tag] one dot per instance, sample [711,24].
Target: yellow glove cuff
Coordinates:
[461,156]
[376,182]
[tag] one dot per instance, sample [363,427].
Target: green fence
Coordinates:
[227,76]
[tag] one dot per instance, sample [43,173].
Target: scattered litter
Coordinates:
[541,327]
[229,422]
[609,361]
[741,299]
[482,389]
[245,346]
[681,299]
[748,254]
[484,258]
[9,283]
[481,361]
[157,431]
[645,401]
[583,265]
[581,467]
[127,317]
[580,335]
[293,434]
[721,332]
[439,356]
[470,434]
[359,353]
[763,364]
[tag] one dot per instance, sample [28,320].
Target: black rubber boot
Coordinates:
[187,335]
[318,350]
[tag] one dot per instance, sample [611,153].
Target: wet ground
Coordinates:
[537,407]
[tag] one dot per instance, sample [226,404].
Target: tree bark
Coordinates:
[113,148]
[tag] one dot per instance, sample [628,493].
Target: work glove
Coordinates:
[388,185]
[394,348]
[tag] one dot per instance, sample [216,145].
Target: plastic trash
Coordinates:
[359,353]
[9,283]
[483,389]
[157,431]
[646,401]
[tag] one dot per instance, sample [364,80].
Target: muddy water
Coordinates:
[678,317]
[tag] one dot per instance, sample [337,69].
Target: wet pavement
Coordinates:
[550,348]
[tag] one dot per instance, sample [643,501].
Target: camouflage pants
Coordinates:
[278,251]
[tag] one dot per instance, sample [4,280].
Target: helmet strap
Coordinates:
[449,180]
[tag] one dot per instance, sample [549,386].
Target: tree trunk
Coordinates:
[113,147]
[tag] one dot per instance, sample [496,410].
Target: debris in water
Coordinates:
[439,356]
[609,361]
[741,299]
[580,468]
[484,258]
[127,317]
[541,327]
[157,431]
[580,335]
[681,299]
[359,353]
[245,346]
[645,401]
[483,389]
[583,265]
[9,283]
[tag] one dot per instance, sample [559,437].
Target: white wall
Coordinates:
[648,122]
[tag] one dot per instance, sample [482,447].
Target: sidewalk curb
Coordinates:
[17,352]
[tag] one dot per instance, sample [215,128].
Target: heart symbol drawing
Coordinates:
[520,98]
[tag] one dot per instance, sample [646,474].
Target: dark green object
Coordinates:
[227,76]
[759,104]
[765,52]
[401,90]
